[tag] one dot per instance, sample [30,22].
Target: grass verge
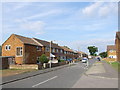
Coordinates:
[10,72]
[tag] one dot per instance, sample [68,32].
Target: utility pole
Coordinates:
[50,53]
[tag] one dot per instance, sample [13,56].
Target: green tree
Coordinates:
[103,54]
[92,50]
[43,59]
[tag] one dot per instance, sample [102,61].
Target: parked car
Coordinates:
[84,60]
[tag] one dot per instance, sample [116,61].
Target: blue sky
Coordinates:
[75,24]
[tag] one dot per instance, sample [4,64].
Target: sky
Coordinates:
[74,24]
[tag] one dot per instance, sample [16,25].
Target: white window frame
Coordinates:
[39,49]
[8,46]
[57,50]
[61,51]
[53,50]
[65,52]
[20,51]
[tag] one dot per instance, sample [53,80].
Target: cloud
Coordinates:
[52,12]
[100,9]
[83,44]
[10,7]
[90,10]
[35,26]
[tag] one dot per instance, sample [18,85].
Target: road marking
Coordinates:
[45,81]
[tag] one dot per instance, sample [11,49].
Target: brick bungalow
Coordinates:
[111,52]
[117,42]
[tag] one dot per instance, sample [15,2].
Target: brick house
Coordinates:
[111,52]
[68,53]
[24,49]
[82,54]
[117,43]
[56,50]
[28,50]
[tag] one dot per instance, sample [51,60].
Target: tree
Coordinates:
[43,59]
[103,54]
[92,50]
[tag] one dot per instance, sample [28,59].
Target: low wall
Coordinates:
[110,59]
[52,65]
[24,66]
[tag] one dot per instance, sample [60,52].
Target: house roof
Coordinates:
[66,49]
[111,47]
[118,34]
[26,40]
[47,44]
[81,52]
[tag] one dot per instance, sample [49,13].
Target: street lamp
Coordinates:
[51,53]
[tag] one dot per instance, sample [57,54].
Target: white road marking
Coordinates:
[45,81]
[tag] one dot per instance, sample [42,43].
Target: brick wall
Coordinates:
[31,54]
[13,42]
[118,48]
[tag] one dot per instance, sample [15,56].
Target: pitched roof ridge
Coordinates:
[36,41]
[21,36]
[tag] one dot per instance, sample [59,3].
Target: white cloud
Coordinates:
[90,10]
[34,26]
[52,12]
[10,7]
[100,9]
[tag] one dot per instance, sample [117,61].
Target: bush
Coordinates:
[61,60]
[43,59]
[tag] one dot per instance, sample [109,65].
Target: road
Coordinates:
[62,78]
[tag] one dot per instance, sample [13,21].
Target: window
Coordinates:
[7,47]
[47,49]
[65,52]
[39,48]
[53,50]
[56,50]
[19,51]
[112,50]
[61,51]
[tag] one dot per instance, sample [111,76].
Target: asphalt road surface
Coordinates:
[61,78]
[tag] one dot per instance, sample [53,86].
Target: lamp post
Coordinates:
[50,53]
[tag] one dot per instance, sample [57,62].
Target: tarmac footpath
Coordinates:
[100,75]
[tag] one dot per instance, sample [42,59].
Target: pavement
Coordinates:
[100,75]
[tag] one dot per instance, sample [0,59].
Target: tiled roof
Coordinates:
[66,49]
[26,40]
[47,44]
[81,52]
[111,47]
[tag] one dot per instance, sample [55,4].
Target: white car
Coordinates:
[84,60]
